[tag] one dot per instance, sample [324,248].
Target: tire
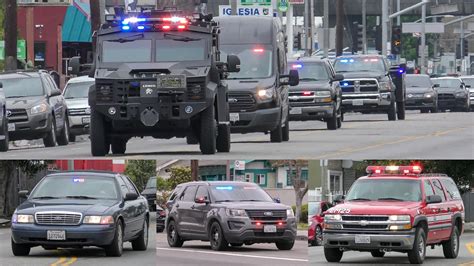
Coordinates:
[276,135]
[286,130]
[401,110]
[115,249]
[50,139]
[236,244]
[417,254]
[119,145]
[141,243]
[72,138]
[63,137]
[377,254]
[4,142]
[331,123]
[216,237]
[20,250]
[285,245]
[339,119]
[451,246]
[333,254]
[98,137]
[318,238]
[208,131]
[392,112]
[342,116]
[192,140]
[223,138]
[174,240]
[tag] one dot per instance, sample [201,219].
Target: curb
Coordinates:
[469,227]
[302,235]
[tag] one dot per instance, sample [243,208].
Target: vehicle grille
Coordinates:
[261,214]
[364,218]
[196,89]
[241,102]
[79,111]
[58,218]
[445,96]
[365,227]
[298,97]
[17,115]
[359,86]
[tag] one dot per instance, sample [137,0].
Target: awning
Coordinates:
[76,27]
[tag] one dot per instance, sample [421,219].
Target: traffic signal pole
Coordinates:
[289,29]
[423,40]
[384,26]
[364,25]
[326,28]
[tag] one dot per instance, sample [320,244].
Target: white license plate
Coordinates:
[11,127]
[86,120]
[56,235]
[269,228]
[296,111]
[357,102]
[234,117]
[362,239]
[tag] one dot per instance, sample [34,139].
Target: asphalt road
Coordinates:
[86,256]
[200,253]
[433,256]
[371,136]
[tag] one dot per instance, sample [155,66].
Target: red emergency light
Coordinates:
[307,93]
[394,169]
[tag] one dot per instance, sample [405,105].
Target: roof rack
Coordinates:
[433,175]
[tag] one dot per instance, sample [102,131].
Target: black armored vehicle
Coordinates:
[158,73]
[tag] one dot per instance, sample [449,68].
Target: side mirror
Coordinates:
[277,200]
[74,65]
[293,78]
[201,200]
[433,199]
[467,86]
[338,77]
[436,86]
[55,92]
[339,199]
[131,196]
[233,63]
[23,193]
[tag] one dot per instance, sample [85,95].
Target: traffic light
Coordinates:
[357,37]
[396,40]
[297,41]
[465,47]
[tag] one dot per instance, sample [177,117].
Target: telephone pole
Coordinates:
[194,170]
[10,31]
[339,27]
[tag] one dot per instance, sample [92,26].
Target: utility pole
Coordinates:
[95,14]
[384,26]
[326,28]
[306,27]
[194,170]
[398,10]
[10,31]
[423,40]
[289,29]
[364,25]
[339,26]
[461,45]
[233,7]
[311,31]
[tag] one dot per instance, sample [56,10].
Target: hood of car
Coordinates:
[77,103]
[447,90]
[418,90]
[311,85]
[70,205]
[374,208]
[23,102]
[252,205]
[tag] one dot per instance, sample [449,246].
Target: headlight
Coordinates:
[98,220]
[428,95]
[40,108]
[236,213]
[400,227]
[322,93]
[290,213]
[460,94]
[385,86]
[332,226]
[265,93]
[22,219]
[332,218]
[399,218]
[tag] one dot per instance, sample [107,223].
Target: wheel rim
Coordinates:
[172,233]
[66,129]
[421,247]
[319,235]
[215,235]
[455,241]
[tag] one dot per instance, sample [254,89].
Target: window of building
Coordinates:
[261,179]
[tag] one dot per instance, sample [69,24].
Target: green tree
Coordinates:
[140,171]
[178,176]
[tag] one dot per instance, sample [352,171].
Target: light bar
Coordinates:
[297,66]
[258,50]
[394,169]
[132,20]
[307,93]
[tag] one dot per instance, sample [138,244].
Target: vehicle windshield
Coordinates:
[248,192]
[130,51]
[77,90]
[22,87]
[313,208]
[151,182]
[418,81]
[255,61]
[180,48]
[447,83]
[362,64]
[310,71]
[469,82]
[85,187]
[385,189]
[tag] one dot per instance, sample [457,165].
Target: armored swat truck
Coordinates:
[159,74]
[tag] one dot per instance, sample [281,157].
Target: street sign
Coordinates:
[432,27]
[21,49]
[255,10]
[458,31]
[296,2]
[256,2]
[239,165]
[282,5]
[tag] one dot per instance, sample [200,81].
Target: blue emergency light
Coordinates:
[225,188]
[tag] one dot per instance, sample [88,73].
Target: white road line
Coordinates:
[231,254]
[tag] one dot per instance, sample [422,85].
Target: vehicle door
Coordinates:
[55,101]
[454,200]
[439,222]
[199,211]
[138,208]
[127,209]
[183,207]
[335,85]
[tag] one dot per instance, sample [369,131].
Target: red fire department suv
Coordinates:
[396,208]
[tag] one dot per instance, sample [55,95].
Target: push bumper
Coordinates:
[36,127]
[263,120]
[367,102]
[244,230]
[389,241]
[316,112]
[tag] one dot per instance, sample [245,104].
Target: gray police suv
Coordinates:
[3,121]
[224,213]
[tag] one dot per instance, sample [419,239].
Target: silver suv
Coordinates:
[76,95]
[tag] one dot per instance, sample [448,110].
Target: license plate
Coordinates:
[56,235]
[11,126]
[362,239]
[171,81]
[269,228]
[234,117]
[357,102]
[86,120]
[296,111]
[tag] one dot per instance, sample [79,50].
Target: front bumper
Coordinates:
[396,241]
[313,112]
[80,235]
[37,126]
[244,230]
[79,124]
[419,103]
[452,103]
[262,120]
[366,101]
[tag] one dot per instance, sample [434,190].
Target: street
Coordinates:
[200,253]
[433,256]
[87,256]
[421,136]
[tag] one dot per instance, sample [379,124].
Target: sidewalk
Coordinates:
[469,227]
[302,235]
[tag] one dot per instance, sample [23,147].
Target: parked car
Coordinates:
[396,208]
[224,213]
[469,82]
[452,94]
[76,94]
[3,121]
[77,209]
[421,94]
[35,107]
[150,192]
[160,219]
[316,223]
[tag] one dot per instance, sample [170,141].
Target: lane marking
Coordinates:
[71,261]
[470,263]
[470,247]
[232,254]
[59,262]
